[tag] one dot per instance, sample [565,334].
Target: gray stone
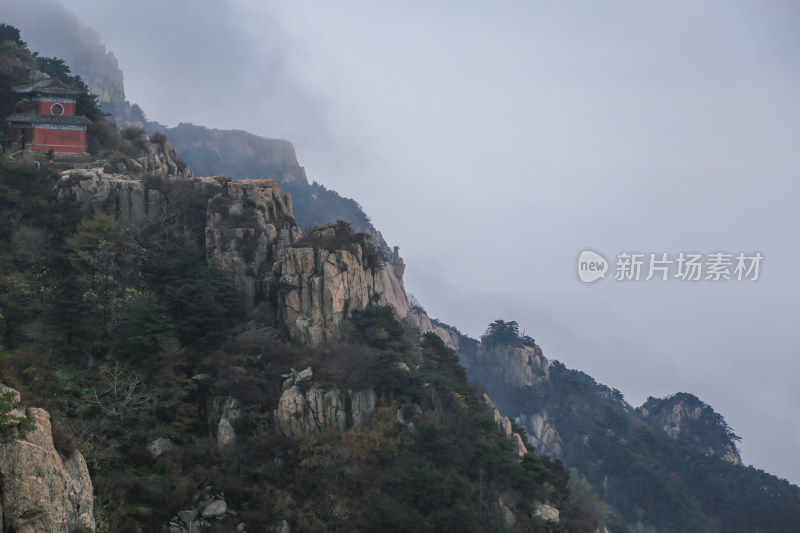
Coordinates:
[215,508]
[225,411]
[159,446]
[507,517]
[226,435]
[543,437]
[281,527]
[188,516]
[406,412]
[362,406]
[546,512]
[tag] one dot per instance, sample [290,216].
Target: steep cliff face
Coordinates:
[392,272]
[305,408]
[543,436]
[245,223]
[505,428]
[683,416]
[511,364]
[250,231]
[500,365]
[324,278]
[249,224]
[419,319]
[161,160]
[41,491]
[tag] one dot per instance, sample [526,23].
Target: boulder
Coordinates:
[224,413]
[281,527]
[546,512]
[215,508]
[301,412]
[159,446]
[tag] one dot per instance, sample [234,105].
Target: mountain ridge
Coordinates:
[236,217]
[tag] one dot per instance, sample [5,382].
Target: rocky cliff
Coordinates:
[242,225]
[42,491]
[249,230]
[305,408]
[683,416]
[511,364]
[249,225]
[418,318]
[323,278]
[504,365]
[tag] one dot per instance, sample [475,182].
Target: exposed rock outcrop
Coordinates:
[546,512]
[418,318]
[684,416]
[41,491]
[393,280]
[521,366]
[249,224]
[161,159]
[505,428]
[542,435]
[210,507]
[223,415]
[304,409]
[330,274]
[250,231]
[246,224]
[159,446]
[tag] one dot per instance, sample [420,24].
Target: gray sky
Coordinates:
[492,144]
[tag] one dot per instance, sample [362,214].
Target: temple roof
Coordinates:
[49,86]
[57,120]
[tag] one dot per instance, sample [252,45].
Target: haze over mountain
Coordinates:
[493,146]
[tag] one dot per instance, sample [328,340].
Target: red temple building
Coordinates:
[45,119]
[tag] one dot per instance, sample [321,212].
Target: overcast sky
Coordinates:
[494,142]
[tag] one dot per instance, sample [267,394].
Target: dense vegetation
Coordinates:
[645,475]
[86,304]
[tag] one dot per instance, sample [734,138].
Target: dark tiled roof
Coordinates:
[57,120]
[50,86]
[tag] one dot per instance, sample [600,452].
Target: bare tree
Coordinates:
[122,392]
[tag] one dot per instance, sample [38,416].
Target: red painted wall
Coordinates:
[43,108]
[60,141]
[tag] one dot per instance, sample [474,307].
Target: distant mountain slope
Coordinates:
[671,465]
